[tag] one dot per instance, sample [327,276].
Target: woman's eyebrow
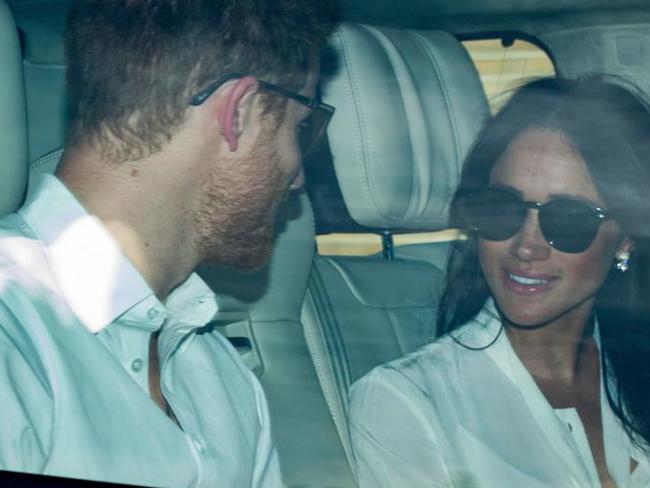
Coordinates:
[579,198]
[551,196]
[501,186]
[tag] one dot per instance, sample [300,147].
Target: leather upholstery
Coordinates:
[409,105]
[13,122]
[372,310]
[361,312]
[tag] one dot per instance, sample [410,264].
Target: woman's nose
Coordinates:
[528,244]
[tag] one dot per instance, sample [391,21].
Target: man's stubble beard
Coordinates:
[236,215]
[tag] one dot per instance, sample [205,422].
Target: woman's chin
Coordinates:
[520,317]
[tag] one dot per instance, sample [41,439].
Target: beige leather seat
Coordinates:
[409,105]
[13,122]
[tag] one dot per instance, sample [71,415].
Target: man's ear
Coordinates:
[231,114]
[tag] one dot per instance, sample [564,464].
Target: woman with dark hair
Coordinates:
[541,374]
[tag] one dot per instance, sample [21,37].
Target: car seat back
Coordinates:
[409,105]
[13,121]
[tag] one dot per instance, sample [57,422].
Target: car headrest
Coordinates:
[13,121]
[409,104]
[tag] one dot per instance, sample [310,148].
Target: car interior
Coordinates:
[409,103]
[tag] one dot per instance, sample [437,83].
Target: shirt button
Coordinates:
[136,365]
[152,313]
[199,445]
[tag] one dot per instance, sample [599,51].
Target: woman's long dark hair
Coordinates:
[608,123]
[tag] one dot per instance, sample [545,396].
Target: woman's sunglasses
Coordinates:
[496,215]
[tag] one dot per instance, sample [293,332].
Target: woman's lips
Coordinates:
[527,283]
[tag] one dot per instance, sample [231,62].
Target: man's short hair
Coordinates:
[133,65]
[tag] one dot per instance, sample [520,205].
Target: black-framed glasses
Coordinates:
[310,129]
[568,225]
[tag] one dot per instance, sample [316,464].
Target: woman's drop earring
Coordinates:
[622,261]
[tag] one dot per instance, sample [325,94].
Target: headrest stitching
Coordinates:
[56,154]
[412,114]
[371,189]
[358,133]
[445,91]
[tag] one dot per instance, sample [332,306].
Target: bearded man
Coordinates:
[188,122]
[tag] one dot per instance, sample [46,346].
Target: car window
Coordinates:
[504,65]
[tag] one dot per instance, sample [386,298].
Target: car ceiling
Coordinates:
[42,21]
[464,17]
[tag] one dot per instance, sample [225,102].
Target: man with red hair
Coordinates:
[188,122]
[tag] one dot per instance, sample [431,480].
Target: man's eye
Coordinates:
[305,124]
[304,133]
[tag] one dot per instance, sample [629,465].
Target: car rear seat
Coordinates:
[409,105]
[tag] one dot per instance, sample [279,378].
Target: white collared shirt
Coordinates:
[450,416]
[75,322]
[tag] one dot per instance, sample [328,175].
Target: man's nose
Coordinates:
[298,180]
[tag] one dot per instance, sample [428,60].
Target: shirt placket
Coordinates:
[574,426]
[128,339]
[550,424]
[172,341]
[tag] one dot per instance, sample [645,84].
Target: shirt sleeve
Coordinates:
[266,473]
[393,434]
[25,402]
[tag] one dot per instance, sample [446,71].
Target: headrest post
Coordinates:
[387,245]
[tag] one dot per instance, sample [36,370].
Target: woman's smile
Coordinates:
[528,283]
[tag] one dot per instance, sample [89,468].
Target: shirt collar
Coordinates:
[97,280]
[486,328]
[483,331]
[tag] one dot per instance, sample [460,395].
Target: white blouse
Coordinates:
[450,416]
